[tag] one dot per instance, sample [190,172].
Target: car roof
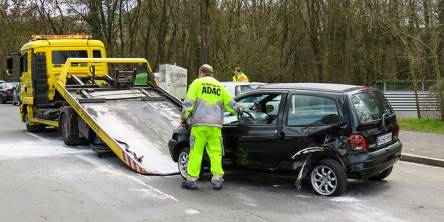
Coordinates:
[327,87]
[241,83]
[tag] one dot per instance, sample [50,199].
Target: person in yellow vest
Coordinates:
[239,76]
[203,109]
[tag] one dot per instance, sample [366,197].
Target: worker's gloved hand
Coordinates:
[183,122]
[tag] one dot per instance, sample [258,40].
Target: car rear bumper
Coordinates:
[6,97]
[363,166]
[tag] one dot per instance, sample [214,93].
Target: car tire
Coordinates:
[182,163]
[68,127]
[328,178]
[382,175]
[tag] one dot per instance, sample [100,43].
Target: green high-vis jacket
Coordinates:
[206,101]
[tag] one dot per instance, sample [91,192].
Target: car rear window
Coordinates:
[370,106]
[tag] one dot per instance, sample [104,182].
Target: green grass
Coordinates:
[422,125]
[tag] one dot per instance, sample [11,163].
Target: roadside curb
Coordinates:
[422,160]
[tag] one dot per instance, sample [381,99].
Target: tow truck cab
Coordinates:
[40,64]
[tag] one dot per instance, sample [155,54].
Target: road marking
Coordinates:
[38,137]
[117,172]
[192,211]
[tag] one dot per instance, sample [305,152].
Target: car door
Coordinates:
[258,139]
[308,119]
[25,77]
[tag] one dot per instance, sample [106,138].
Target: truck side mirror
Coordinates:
[9,63]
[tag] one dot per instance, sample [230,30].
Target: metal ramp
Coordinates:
[135,123]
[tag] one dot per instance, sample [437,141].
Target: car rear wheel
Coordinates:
[328,178]
[382,175]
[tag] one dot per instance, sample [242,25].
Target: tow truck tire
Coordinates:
[32,128]
[382,175]
[328,178]
[69,127]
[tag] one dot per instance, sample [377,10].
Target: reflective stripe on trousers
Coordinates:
[207,138]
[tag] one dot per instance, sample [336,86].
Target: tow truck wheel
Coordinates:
[328,178]
[68,127]
[32,128]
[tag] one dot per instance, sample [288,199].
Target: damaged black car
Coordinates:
[325,133]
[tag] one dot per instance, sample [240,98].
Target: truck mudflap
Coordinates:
[134,123]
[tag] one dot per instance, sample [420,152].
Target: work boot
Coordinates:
[190,183]
[217,182]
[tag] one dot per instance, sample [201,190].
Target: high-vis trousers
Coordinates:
[209,138]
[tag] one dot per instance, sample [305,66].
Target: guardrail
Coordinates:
[405,100]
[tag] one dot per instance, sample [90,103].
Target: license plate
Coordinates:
[384,139]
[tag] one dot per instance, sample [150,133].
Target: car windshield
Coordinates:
[370,105]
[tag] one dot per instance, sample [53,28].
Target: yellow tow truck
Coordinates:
[67,82]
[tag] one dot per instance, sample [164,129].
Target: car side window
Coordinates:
[263,107]
[312,110]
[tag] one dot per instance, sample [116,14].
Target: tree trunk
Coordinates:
[204,31]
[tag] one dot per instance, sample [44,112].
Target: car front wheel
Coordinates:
[328,178]
[182,161]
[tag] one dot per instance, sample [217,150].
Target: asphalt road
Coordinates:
[43,180]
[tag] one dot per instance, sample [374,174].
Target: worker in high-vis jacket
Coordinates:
[239,76]
[203,109]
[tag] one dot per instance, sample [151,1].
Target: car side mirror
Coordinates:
[9,64]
